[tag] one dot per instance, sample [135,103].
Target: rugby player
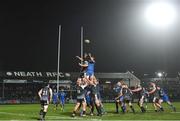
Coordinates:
[127,97]
[45,95]
[118,101]
[142,95]
[164,98]
[62,98]
[155,91]
[55,99]
[80,91]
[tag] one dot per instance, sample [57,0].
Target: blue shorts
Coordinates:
[89,73]
[165,98]
[88,101]
[55,101]
[62,101]
[121,98]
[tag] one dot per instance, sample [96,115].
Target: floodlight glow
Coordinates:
[159,74]
[160,14]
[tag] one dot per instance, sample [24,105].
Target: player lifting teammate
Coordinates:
[119,101]
[127,97]
[80,91]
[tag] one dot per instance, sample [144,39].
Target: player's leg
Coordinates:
[89,105]
[146,102]
[45,111]
[98,106]
[166,99]
[62,104]
[92,106]
[131,106]
[55,103]
[101,104]
[84,107]
[171,105]
[154,104]
[123,105]
[41,110]
[77,107]
[158,104]
[117,106]
[141,101]
[102,108]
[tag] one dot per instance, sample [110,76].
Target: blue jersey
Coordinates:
[163,95]
[62,96]
[117,89]
[55,97]
[90,68]
[88,99]
[162,92]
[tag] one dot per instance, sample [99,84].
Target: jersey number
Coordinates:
[45,92]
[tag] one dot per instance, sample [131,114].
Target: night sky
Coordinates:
[121,40]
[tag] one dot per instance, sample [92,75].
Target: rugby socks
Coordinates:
[99,110]
[117,107]
[143,109]
[174,109]
[161,109]
[92,109]
[122,108]
[84,113]
[44,114]
[63,107]
[102,110]
[74,113]
[132,109]
[41,114]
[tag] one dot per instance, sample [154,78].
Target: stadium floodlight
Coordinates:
[160,14]
[108,82]
[159,74]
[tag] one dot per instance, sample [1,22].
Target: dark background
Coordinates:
[121,40]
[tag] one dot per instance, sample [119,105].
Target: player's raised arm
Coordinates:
[39,93]
[81,59]
[91,58]
[154,88]
[137,89]
[51,94]
[83,65]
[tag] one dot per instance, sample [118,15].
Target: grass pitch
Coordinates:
[31,112]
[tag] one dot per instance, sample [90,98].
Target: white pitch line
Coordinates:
[175,112]
[63,117]
[19,114]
